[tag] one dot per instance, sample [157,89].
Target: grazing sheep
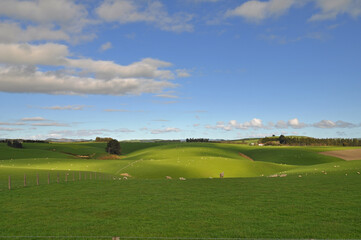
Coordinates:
[182,179]
[299,175]
[125,174]
[221,175]
[358,172]
[274,175]
[283,175]
[168,177]
[125,178]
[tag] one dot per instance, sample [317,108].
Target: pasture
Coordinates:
[319,197]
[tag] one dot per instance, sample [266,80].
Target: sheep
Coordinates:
[168,177]
[182,178]
[125,178]
[221,175]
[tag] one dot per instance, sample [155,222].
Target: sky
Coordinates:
[159,69]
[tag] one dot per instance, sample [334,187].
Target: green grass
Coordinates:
[289,207]
[319,198]
[157,160]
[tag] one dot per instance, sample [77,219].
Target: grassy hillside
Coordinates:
[157,160]
[289,207]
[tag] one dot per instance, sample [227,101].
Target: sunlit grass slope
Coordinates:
[157,160]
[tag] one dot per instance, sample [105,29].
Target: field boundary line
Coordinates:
[128,166]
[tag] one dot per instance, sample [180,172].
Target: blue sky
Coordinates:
[177,69]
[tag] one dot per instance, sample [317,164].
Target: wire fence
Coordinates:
[17,181]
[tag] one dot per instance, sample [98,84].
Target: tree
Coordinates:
[113,147]
[282,139]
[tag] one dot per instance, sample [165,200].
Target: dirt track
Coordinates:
[353,154]
[245,156]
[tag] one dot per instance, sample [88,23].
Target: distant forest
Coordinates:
[308,141]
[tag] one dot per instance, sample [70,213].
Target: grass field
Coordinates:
[319,198]
[215,208]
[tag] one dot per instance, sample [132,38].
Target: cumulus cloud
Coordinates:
[257,123]
[330,9]
[331,124]
[65,13]
[255,10]
[11,32]
[125,11]
[77,76]
[295,123]
[165,130]
[259,10]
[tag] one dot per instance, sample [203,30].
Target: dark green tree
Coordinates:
[282,139]
[113,147]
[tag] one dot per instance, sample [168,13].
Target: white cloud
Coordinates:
[295,123]
[106,46]
[126,11]
[331,124]
[105,77]
[33,119]
[116,110]
[281,124]
[45,54]
[167,95]
[89,132]
[182,73]
[68,107]
[259,10]
[165,130]
[11,32]
[330,9]
[9,129]
[256,10]
[51,124]
[11,124]
[65,13]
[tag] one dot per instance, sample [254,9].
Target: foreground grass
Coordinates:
[316,206]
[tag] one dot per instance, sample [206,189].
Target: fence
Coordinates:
[17,181]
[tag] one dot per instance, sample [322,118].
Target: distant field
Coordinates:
[157,160]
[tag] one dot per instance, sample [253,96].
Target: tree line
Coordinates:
[308,141]
[197,140]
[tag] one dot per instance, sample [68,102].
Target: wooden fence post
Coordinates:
[66,177]
[48,178]
[57,178]
[24,180]
[37,179]
[9,183]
